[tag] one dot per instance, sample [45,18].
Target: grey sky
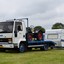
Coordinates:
[39,12]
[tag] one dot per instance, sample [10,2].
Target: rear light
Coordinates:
[29,37]
[40,36]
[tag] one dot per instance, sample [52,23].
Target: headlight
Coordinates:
[9,40]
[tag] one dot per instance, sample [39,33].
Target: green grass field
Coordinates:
[33,57]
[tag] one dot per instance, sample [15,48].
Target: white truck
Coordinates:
[13,36]
[55,35]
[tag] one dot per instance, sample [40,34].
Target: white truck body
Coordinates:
[55,35]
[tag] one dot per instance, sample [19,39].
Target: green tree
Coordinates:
[58,26]
[39,28]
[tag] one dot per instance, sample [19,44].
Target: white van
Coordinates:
[55,35]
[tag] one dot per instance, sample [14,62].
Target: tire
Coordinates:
[45,47]
[22,48]
[51,47]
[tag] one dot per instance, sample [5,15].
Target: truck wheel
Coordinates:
[51,47]
[22,48]
[45,47]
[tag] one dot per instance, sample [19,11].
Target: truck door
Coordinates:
[18,32]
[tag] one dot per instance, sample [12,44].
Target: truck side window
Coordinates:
[18,26]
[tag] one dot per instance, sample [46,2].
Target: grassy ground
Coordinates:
[33,57]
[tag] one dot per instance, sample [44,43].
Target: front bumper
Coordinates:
[6,46]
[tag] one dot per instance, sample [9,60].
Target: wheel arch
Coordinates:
[51,43]
[23,42]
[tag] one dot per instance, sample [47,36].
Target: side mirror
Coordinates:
[15,33]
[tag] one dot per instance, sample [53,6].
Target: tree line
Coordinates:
[55,26]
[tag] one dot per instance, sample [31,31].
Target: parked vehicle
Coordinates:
[13,35]
[55,35]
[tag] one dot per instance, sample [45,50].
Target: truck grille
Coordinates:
[4,40]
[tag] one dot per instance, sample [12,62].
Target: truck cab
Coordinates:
[12,34]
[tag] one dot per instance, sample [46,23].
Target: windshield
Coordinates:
[6,27]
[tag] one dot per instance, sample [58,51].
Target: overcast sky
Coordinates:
[40,12]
